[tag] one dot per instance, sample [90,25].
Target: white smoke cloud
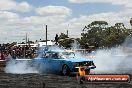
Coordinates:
[19,67]
[24,66]
[114,60]
[108,61]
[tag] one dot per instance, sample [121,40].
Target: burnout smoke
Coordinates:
[24,66]
[109,61]
[75,45]
[114,60]
[19,67]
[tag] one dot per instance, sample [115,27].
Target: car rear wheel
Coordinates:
[65,70]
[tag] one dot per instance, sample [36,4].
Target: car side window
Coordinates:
[45,55]
[55,55]
[48,55]
[51,55]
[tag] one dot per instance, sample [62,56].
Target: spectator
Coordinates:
[2,56]
[8,56]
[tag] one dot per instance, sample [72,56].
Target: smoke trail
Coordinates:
[19,67]
[108,60]
[111,60]
[75,45]
[24,66]
[114,60]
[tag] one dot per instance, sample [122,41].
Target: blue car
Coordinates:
[62,61]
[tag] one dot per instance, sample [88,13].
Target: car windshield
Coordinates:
[67,54]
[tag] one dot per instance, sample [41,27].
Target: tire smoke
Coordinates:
[114,60]
[109,60]
[19,67]
[24,66]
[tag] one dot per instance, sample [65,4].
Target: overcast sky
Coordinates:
[18,17]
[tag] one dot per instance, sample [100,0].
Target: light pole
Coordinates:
[131,22]
[25,46]
[46,35]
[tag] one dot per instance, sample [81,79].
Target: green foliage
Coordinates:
[65,41]
[63,36]
[99,33]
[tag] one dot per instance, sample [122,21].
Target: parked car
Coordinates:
[62,61]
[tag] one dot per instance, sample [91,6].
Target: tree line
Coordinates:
[98,34]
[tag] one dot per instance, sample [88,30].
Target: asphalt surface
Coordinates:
[50,81]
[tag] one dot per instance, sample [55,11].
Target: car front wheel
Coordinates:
[65,70]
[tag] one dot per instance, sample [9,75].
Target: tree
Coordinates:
[65,41]
[63,36]
[96,24]
[98,32]
[94,33]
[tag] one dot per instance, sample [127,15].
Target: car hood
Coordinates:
[78,59]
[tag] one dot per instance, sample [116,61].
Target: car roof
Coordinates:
[57,51]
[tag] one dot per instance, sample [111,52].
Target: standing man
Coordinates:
[56,39]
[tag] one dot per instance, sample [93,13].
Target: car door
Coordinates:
[56,63]
[44,64]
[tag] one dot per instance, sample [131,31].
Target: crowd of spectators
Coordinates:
[11,51]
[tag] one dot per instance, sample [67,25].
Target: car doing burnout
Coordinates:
[62,61]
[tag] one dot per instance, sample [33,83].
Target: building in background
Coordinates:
[36,44]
